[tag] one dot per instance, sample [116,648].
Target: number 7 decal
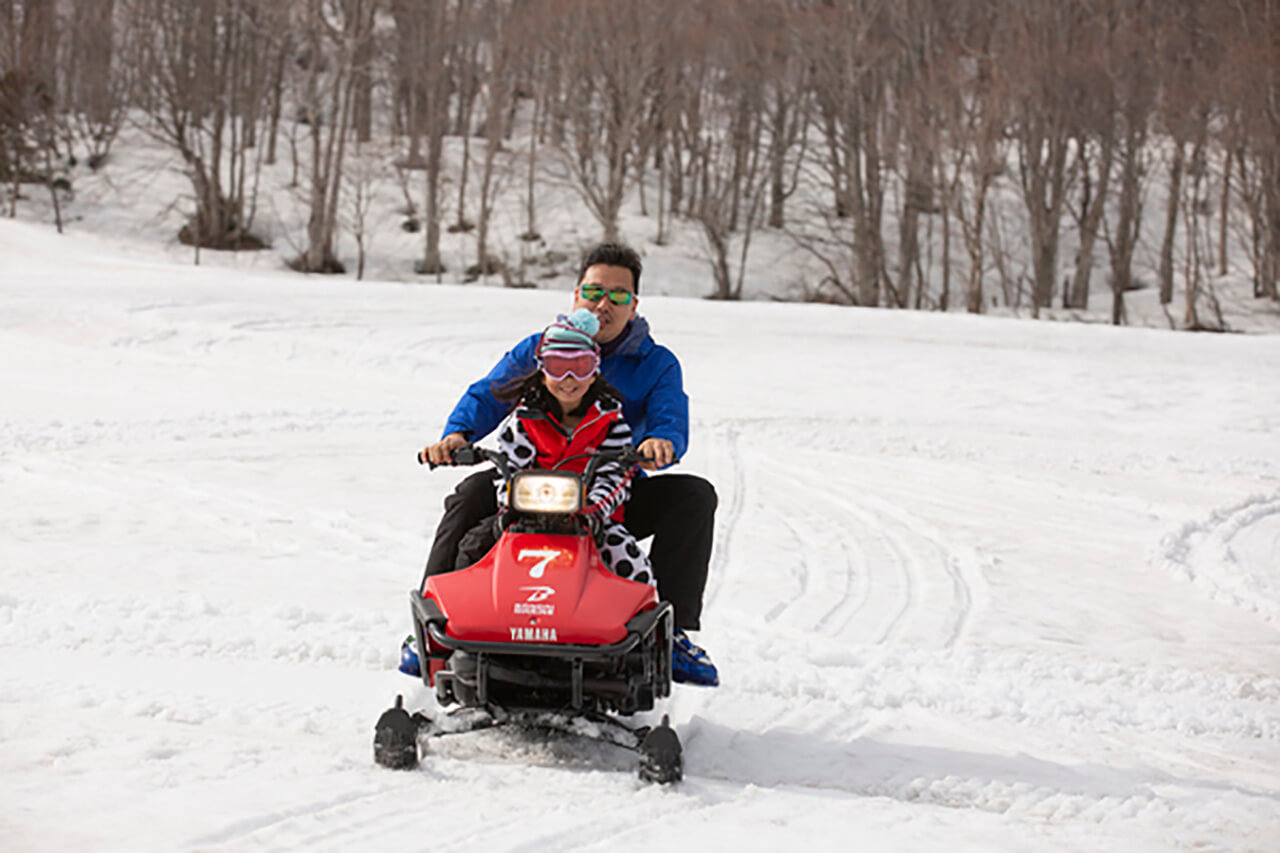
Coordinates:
[546,555]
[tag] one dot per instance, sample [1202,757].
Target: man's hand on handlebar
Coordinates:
[441,453]
[658,451]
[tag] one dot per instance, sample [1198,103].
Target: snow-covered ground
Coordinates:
[978,584]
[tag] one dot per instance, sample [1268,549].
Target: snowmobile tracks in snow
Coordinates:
[1231,554]
[849,564]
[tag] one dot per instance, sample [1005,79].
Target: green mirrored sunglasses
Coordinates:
[593,292]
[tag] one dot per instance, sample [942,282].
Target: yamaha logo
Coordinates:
[533,635]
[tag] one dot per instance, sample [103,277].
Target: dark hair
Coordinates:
[531,390]
[613,255]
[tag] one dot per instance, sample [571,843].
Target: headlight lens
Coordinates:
[546,492]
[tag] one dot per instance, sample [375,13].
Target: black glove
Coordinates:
[594,523]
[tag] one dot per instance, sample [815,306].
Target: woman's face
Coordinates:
[568,391]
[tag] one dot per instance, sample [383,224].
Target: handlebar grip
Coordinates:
[640,460]
[468,454]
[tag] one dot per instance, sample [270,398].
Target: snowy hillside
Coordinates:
[978,584]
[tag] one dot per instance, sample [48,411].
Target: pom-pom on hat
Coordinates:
[574,333]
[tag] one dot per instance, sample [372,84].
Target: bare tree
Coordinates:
[787,104]
[732,165]
[1095,155]
[687,122]
[466,71]
[361,180]
[1124,238]
[499,97]
[613,54]
[1187,58]
[922,28]
[435,110]
[95,84]
[974,128]
[29,125]
[335,32]
[1256,57]
[410,83]
[729,211]
[852,50]
[1135,87]
[199,103]
[1043,47]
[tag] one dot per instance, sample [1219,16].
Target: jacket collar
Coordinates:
[631,342]
[601,406]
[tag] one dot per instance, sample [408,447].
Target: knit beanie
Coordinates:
[573,333]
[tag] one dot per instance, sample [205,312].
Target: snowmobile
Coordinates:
[538,632]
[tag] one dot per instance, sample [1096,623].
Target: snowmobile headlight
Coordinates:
[546,491]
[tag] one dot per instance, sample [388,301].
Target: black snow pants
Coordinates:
[677,510]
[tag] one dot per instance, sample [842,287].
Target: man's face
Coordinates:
[613,318]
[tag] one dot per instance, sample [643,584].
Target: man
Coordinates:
[678,510]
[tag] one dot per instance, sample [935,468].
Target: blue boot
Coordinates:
[690,664]
[409,664]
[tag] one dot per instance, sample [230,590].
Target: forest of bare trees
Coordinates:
[874,134]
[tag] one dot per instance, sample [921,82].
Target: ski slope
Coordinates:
[978,584]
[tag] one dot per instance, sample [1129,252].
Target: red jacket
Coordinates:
[533,438]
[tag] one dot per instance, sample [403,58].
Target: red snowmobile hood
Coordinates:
[539,588]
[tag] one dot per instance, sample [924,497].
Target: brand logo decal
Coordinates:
[542,555]
[533,635]
[531,606]
[538,593]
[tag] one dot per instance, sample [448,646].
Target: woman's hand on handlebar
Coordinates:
[441,453]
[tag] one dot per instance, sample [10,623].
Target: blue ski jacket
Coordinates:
[647,375]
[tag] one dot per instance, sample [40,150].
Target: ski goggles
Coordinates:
[580,364]
[593,292]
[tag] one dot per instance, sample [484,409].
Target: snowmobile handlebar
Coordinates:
[469,454]
[472,454]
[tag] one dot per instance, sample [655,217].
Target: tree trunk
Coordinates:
[1042,167]
[1194,266]
[1092,210]
[436,121]
[94,34]
[411,58]
[675,175]
[277,101]
[431,260]
[1270,266]
[530,197]
[362,74]
[1224,212]
[1171,222]
[915,200]
[944,298]
[1130,219]
[865,200]
[778,159]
